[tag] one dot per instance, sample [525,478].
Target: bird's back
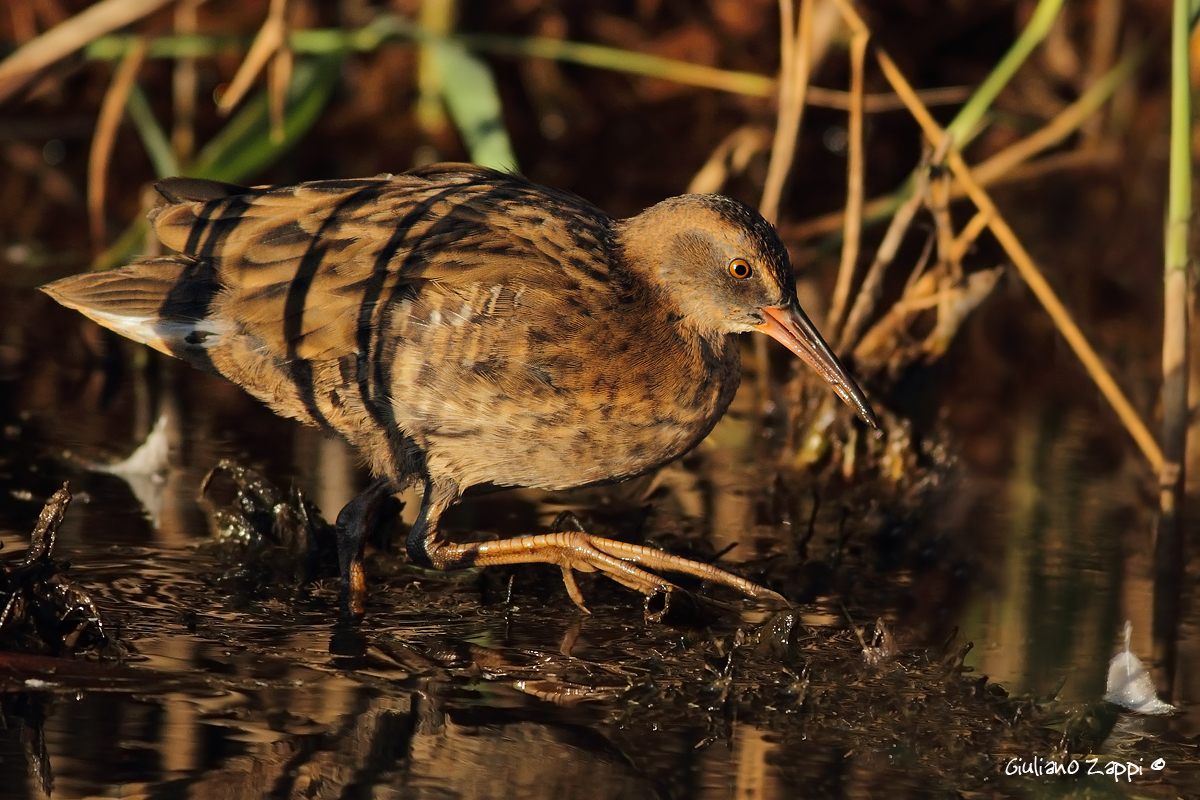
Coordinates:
[446,320]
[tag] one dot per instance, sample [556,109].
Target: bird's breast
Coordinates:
[512,386]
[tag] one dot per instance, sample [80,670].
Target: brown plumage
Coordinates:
[461,326]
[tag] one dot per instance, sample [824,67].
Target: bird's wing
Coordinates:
[308,271]
[338,299]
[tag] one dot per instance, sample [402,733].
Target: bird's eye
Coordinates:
[739,269]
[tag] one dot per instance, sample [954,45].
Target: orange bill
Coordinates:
[791,328]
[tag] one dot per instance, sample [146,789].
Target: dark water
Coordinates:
[477,686]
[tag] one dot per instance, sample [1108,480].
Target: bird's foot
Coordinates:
[353,596]
[353,523]
[631,565]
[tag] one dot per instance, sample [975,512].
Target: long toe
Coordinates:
[631,565]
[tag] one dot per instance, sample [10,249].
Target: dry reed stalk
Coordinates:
[795,47]
[323,41]
[795,51]
[279,77]
[602,57]
[852,232]
[64,39]
[1029,270]
[937,201]
[1169,551]
[1065,123]
[730,157]
[1106,33]
[872,285]
[918,270]
[884,101]
[1103,155]
[267,41]
[999,166]
[962,243]
[112,108]
[183,88]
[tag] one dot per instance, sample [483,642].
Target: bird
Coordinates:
[466,328]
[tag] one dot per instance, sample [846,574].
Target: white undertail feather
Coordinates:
[140,329]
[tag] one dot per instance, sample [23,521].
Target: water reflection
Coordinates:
[1063,587]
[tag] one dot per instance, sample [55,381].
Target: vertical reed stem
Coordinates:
[795,52]
[1168,546]
[854,186]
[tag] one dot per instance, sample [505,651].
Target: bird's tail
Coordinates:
[161,302]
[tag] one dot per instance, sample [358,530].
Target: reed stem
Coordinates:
[1168,545]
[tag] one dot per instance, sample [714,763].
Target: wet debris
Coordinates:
[882,646]
[44,610]
[276,539]
[776,637]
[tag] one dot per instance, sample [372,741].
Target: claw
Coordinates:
[567,521]
[568,576]
[665,591]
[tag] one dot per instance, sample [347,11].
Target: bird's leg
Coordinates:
[630,565]
[353,525]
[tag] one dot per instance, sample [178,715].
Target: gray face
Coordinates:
[724,263]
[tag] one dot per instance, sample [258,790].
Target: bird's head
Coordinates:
[724,270]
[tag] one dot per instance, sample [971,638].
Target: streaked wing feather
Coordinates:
[303,266]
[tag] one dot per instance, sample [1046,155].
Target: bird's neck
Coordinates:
[652,248]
